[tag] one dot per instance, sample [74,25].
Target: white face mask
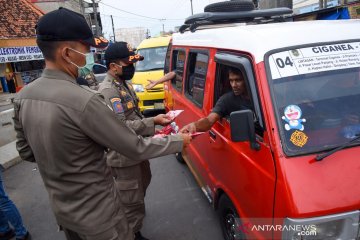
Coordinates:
[89,63]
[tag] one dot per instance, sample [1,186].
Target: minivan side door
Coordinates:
[247,176]
[221,166]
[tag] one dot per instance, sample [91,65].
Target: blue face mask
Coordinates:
[89,64]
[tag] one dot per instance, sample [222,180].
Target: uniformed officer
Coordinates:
[66,128]
[132,176]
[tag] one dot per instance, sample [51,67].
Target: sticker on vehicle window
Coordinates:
[315,59]
[292,115]
[299,138]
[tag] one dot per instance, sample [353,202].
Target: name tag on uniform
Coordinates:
[116,105]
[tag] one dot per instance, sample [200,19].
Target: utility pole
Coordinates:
[192,12]
[95,18]
[163,28]
[82,9]
[112,22]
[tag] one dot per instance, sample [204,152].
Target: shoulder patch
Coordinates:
[116,105]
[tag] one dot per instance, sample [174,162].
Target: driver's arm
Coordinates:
[201,125]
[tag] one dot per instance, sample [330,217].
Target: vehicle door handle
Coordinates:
[212,134]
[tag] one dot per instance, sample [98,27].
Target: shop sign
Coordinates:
[19,54]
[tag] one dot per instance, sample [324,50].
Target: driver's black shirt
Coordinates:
[229,102]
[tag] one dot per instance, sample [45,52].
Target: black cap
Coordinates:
[66,25]
[122,51]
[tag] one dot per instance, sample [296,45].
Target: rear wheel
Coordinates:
[229,219]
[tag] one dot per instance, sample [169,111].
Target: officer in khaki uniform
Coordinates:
[65,129]
[132,176]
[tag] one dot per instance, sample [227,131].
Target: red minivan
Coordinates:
[288,167]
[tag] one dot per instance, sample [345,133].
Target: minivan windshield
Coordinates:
[316,94]
[154,59]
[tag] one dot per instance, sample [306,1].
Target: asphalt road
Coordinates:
[176,207]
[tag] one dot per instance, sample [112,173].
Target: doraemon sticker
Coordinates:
[292,115]
[299,138]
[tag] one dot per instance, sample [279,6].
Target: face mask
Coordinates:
[89,64]
[127,72]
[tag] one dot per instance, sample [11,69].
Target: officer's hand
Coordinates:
[162,119]
[186,139]
[190,128]
[152,83]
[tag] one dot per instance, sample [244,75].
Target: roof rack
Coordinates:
[253,16]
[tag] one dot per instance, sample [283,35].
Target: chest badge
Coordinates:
[130,105]
[123,93]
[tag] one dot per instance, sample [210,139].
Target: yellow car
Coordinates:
[151,68]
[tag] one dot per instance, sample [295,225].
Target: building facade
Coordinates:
[51,5]
[83,7]
[306,6]
[19,54]
[133,36]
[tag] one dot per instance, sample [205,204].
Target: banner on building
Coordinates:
[19,54]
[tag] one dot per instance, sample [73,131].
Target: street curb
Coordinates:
[10,163]
[9,156]
[6,117]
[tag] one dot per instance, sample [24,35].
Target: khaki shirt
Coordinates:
[65,129]
[124,102]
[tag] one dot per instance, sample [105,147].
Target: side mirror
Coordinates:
[243,128]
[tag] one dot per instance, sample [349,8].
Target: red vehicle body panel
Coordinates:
[264,184]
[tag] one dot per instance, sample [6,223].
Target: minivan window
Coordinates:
[222,85]
[196,76]
[317,98]
[154,59]
[178,64]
